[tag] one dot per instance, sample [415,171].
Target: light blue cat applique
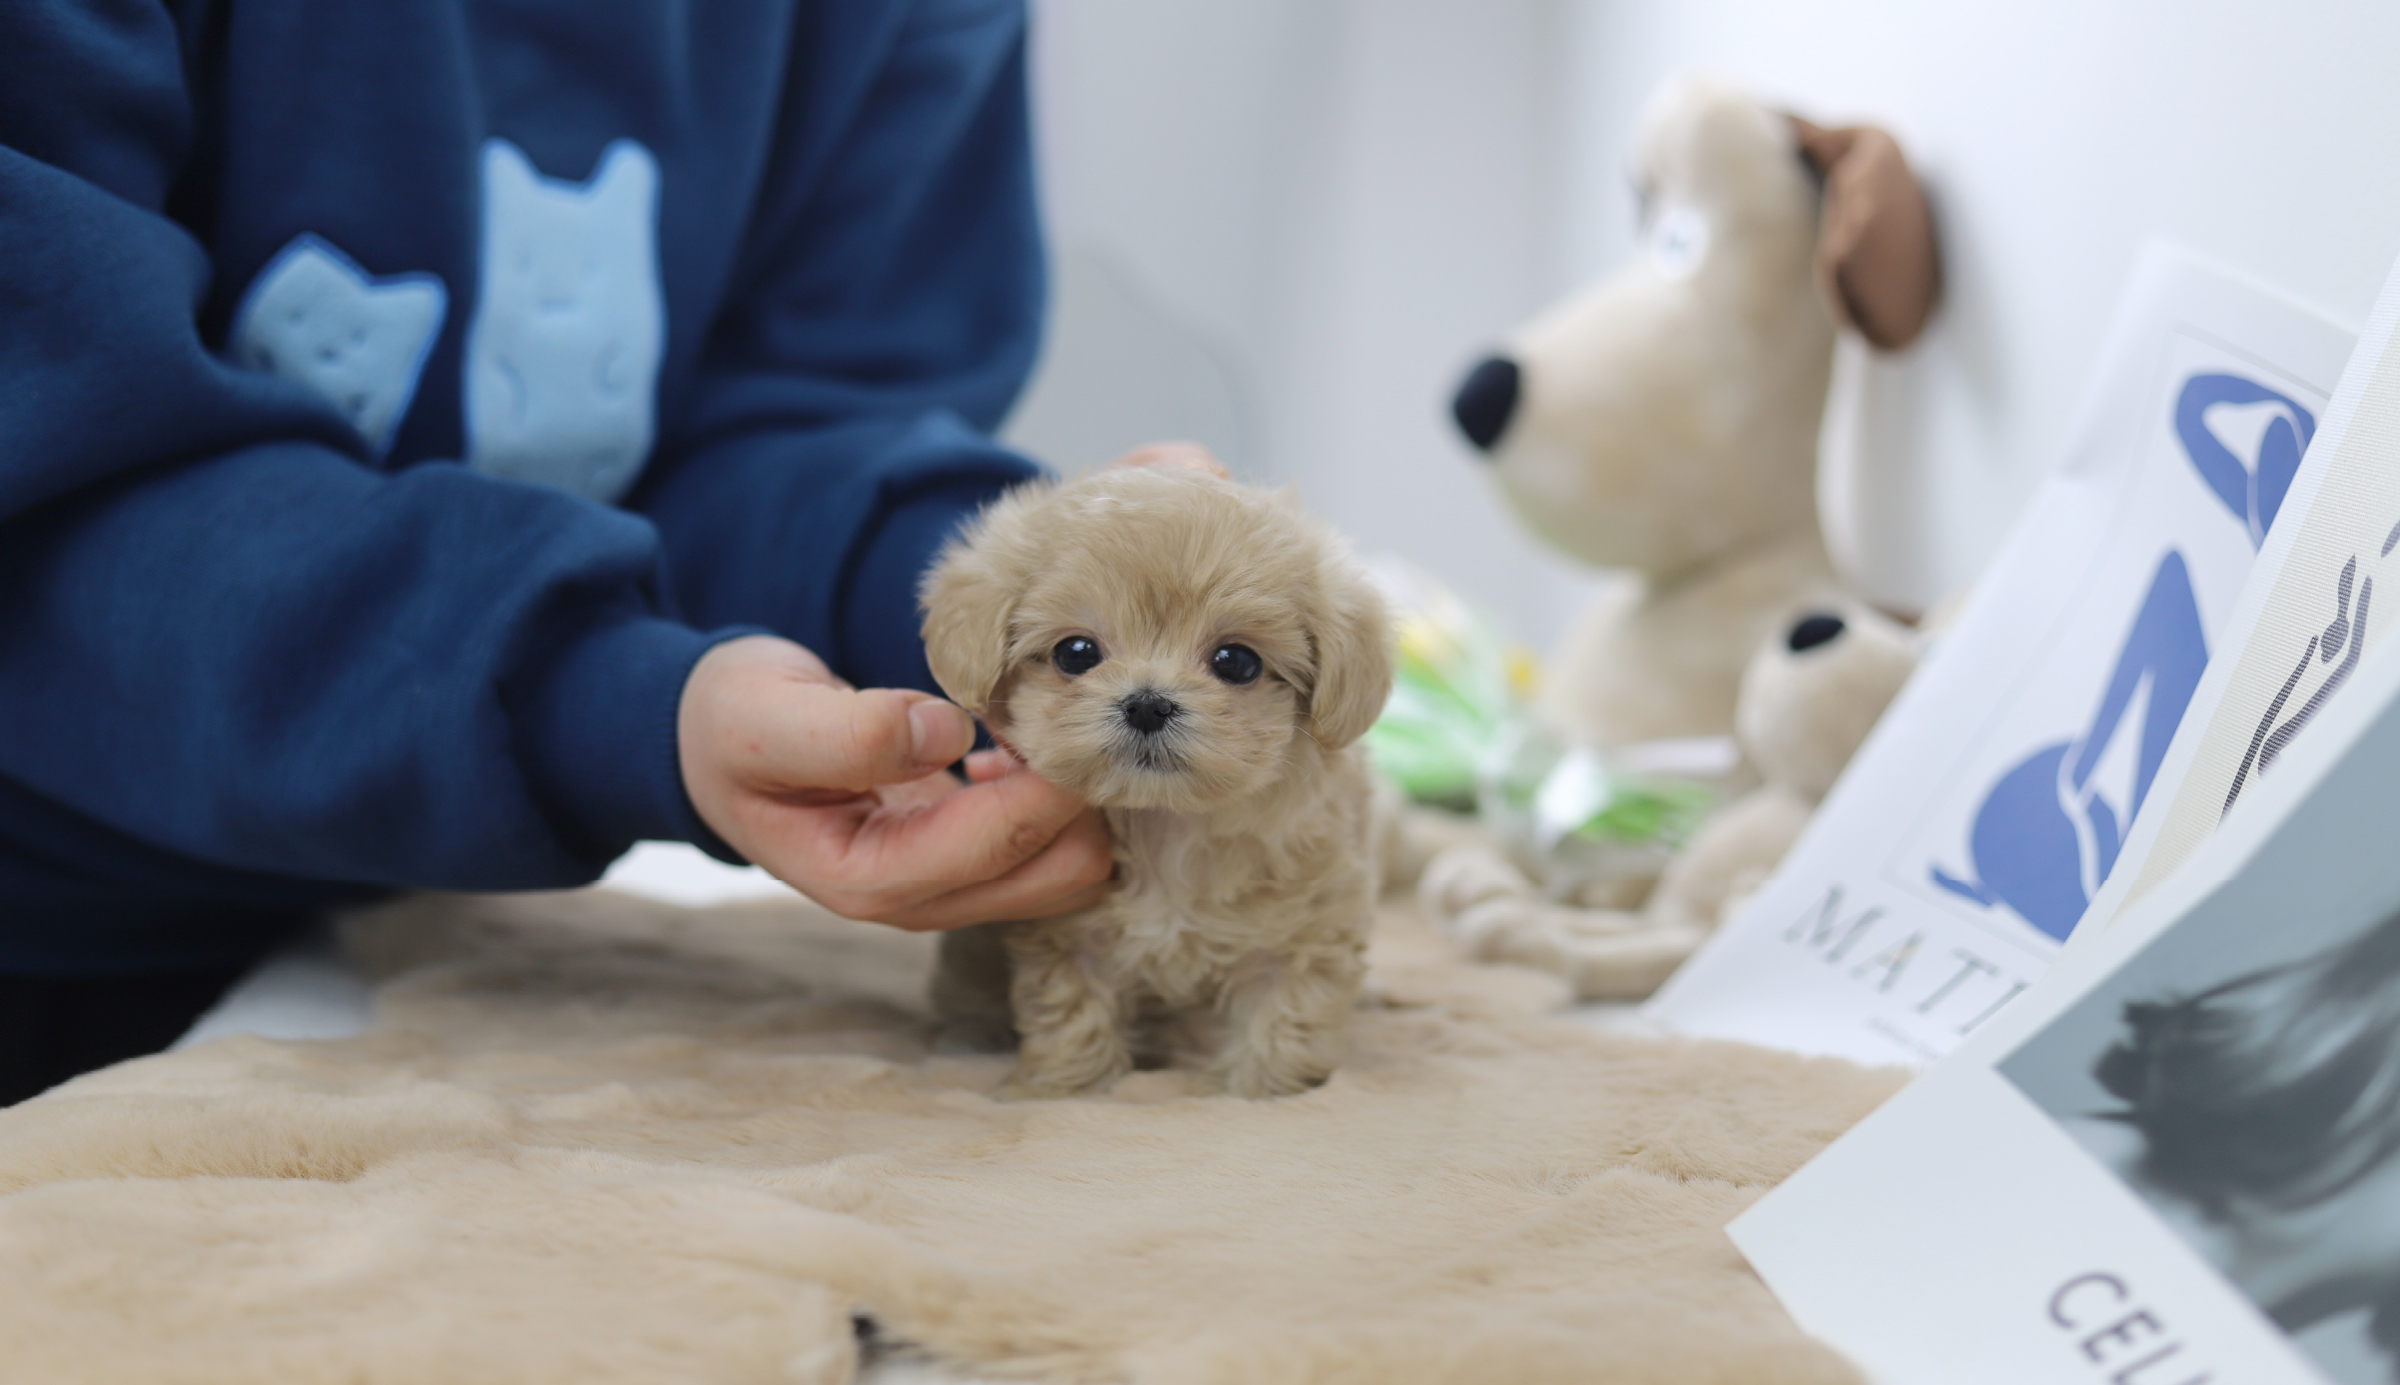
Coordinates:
[563,354]
[314,317]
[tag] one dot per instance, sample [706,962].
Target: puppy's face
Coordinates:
[1155,694]
[1156,639]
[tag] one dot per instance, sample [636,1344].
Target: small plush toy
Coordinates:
[1807,700]
[1666,420]
[1196,658]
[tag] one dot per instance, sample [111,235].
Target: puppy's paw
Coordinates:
[979,1034]
[1032,1082]
[1257,1080]
[1020,1088]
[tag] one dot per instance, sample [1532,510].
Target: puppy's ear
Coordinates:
[1877,260]
[969,597]
[1351,636]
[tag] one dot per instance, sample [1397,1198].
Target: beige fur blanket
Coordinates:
[594,1140]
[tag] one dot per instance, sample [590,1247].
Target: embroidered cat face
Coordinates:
[570,323]
[315,318]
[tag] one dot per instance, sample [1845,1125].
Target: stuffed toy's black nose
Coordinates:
[1147,712]
[1485,400]
[1812,630]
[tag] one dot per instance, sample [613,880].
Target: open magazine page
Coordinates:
[2298,634]
[2178,1160]
[1971,831]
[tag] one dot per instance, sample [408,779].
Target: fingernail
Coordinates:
[938,733]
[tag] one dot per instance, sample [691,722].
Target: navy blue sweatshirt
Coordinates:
[396,399]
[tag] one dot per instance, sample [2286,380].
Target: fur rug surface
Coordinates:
[597,1139]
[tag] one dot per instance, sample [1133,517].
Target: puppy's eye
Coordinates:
[1074,655]
[1235,663]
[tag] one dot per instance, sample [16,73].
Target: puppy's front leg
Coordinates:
[1287,1023]
[1071,1036]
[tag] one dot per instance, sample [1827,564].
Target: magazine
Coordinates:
[1971,832]
[2298,634]
[2176,1161]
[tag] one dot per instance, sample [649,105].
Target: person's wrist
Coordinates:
[595,722]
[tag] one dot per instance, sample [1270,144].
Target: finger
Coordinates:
[971,906]
[1071,873]
[872,861]
[984,766]
[978,834]
[918,792]
[836,738]
[1187,456]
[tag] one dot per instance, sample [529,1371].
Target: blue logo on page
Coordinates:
[2048,830]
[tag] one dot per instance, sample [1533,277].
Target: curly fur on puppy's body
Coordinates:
[1238,807]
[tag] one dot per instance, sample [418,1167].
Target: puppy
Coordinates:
[1196,658]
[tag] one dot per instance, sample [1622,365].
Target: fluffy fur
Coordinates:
[1244,871]
[601,1141]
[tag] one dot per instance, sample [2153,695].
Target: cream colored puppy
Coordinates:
[1196,658]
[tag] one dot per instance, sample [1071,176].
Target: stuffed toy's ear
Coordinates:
[968,603]
[1876,257]
[1352,638]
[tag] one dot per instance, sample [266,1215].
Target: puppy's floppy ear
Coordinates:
[1877,260]
[969,597]
[1350,633]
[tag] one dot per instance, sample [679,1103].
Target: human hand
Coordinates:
[1189,456]
[840,793]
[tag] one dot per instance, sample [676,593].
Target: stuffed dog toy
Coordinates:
[1808,698]
[1666,421]
[1196,658]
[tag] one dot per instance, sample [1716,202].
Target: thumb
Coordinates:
[857,740]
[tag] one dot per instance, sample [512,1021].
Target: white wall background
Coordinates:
[2055,135]
[1284,225]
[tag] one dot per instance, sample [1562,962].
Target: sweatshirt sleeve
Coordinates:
[221,631]
[887,310]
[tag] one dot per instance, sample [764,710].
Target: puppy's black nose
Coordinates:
[1485,400]
[1147,711]
[1809,631]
